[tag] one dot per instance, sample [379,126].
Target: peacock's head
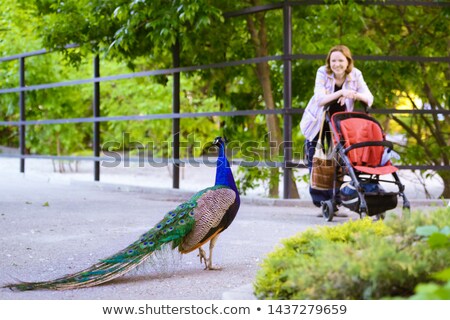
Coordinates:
[219,141]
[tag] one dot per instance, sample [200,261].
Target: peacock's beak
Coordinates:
[217,141]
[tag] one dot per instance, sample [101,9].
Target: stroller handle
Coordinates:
[329,104]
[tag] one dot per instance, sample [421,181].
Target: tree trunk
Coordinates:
[257,29]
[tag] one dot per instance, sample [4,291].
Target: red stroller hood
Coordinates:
[351,128]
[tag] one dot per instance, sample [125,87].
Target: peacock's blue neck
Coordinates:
[224,175]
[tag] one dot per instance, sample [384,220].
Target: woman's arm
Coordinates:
[320,90]
[355,95]
[331,97]
[357,91]
[362,91]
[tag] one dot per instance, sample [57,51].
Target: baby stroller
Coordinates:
[362,153]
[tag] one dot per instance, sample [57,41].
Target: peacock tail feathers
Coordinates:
[163,262]
[171,230]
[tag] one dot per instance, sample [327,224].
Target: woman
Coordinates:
[338,84]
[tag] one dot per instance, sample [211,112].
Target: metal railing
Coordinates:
[287,111]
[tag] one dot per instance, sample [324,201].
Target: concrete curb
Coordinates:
[180,195]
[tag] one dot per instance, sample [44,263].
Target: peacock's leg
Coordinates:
[212,243]
[203,258]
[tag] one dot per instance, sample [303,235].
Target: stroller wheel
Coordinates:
[380,216]
[363,212]
[328,210]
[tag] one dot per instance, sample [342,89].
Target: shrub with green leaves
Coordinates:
[439,288]
[359,259]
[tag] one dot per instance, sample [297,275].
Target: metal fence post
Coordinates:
[22,127]
[176,121]
[287,97]
[96,112]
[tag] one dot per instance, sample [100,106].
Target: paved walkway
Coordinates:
[52,228]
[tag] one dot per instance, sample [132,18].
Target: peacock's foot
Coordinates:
[214,268]
[203,258]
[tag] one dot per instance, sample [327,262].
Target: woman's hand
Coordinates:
[347,94]
[350,94]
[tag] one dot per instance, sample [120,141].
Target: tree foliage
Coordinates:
[140,34]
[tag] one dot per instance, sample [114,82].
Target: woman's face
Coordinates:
[338,63]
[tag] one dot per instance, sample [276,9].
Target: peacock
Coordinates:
[188,227]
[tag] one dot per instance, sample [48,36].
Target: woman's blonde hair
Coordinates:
[346,52]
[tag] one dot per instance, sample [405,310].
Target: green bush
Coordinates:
[359,259]
[437,239]
[433,290]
